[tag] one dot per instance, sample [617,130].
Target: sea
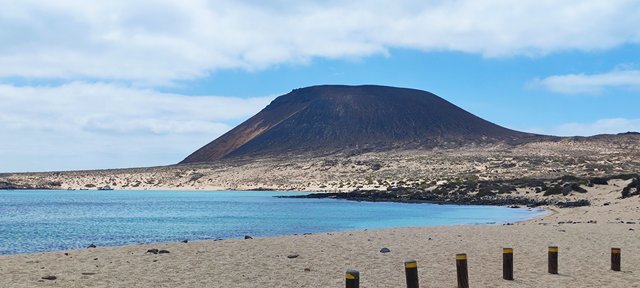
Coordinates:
[45,220]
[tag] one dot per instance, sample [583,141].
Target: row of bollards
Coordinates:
[352,277]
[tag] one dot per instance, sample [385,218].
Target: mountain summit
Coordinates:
[332,118]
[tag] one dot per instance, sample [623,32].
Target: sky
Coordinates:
[123,83]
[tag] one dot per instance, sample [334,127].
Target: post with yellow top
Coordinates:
[463,274]
[411,270]
[615,259]
[507,263]
[553,259]
[352,278]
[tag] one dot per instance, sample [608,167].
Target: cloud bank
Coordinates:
[160,41]
[97,125]
[591,84]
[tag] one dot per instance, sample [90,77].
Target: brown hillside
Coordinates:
[331,118]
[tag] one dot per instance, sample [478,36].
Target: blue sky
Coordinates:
[141,83]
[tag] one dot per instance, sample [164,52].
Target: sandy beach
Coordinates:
[584,236]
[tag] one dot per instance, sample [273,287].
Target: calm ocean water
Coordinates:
[32,221]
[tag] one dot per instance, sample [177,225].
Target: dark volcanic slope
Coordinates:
[330,118]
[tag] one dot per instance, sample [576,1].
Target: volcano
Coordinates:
[338,118]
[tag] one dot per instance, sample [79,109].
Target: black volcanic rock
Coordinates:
[332,118]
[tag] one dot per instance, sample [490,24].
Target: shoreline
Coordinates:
[544,212]
[531,214]
[584,236]
[322,259]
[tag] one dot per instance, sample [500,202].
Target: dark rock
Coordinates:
[385,250]
[635,184]
[164,252]
[185,241]
[248,237]
[50,277]
[599,181]
[570,204]
[92,246]
[412,195]
[153,251]
[553,190]
[570,187]
[307,269]
[196,176]
[292,256]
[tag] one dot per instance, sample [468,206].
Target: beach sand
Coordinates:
[584,256]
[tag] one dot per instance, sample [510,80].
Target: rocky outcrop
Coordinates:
[416,196]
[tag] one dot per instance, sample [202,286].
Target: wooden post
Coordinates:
[553,259]
[411,270]
[507,263]
[352,279]
[463,275]
[615,259]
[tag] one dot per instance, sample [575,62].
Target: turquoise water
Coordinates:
[32,221]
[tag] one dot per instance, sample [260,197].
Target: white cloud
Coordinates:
[602,126]
[161,41]
[96,125]
[591,83]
